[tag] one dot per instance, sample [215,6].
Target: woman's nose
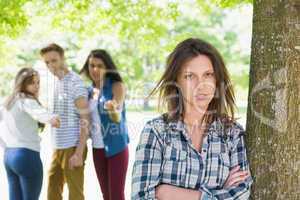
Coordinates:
[95,69]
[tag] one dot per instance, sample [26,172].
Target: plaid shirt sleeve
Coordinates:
[238,157]
[147,165]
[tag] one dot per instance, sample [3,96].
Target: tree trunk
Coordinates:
[273,117]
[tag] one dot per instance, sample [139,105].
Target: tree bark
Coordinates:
[273,116]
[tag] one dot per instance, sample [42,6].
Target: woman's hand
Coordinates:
[236,176]
[111,105]
[113,110]
[169,192]
[55,122]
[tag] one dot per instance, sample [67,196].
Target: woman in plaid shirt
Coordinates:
[196,150]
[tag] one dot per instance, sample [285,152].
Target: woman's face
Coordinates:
[96,69]
[34,87]
[197,82]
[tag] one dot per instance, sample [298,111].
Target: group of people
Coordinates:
[195,150]
[78,113]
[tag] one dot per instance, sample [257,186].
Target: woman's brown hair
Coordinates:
[23,78]
[112,71]
[222,105]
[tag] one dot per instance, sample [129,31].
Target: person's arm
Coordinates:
[238,157]
[39,113]
[165,192]
[115,105]
[240,191]
[147,165]
[82,106]
[2,143]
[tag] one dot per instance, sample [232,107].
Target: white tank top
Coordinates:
[96,135]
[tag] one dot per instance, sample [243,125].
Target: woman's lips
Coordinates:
[201,97]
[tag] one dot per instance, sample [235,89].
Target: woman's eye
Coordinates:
[209,74]
[96,66]
[101,66]
[188,76]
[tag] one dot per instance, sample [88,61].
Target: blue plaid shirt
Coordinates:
[165,155]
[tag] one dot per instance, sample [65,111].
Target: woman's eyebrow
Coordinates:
[187,71]
[190,71]
[212,71]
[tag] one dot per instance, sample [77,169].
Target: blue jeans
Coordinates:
[24,173]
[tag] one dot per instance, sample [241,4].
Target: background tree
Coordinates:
[273,120]
[273,116]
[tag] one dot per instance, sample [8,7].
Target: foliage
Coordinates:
[139,34]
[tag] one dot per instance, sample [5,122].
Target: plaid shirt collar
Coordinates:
[216,129]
